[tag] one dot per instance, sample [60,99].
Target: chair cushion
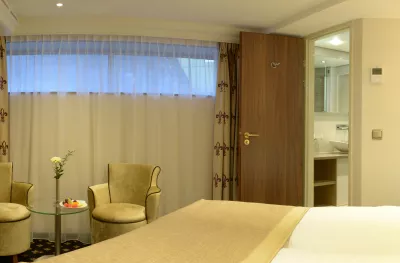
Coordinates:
[10,212]
[119,213]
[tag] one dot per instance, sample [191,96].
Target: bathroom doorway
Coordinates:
[327,120]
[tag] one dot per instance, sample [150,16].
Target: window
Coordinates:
[104,66]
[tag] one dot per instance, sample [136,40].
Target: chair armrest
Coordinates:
[152,203]
[21,193]
[98,195]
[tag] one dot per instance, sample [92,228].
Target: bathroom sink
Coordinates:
[341,146]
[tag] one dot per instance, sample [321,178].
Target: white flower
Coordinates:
[55,159]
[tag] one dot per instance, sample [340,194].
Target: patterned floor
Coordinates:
[42,247]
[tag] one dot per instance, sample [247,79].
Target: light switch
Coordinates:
[377,134]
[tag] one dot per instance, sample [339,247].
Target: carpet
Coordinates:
[42,247]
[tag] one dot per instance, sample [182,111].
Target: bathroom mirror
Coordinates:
[331,81]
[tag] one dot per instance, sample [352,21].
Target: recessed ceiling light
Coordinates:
[59,4]
[323,61]
[336,41]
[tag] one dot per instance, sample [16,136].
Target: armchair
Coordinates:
[15,218]
[128,201]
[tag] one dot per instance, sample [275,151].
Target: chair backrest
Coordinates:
[5,182]
[129,183]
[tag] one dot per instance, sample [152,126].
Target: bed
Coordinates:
[223,231]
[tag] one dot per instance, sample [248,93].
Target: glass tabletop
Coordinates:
[51,207]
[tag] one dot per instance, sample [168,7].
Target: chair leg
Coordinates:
[15,259]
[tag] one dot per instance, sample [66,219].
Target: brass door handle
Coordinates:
[247,135]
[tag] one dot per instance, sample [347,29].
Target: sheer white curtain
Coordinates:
[112,99]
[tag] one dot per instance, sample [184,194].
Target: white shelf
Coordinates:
[324,183]
[327,156]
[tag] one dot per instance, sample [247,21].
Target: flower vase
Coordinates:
[57,191]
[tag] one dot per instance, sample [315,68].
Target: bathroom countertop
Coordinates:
[334,155]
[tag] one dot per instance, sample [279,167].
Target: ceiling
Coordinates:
[339,13]
[249,13]
[323,62]
[343,37]
[293,17]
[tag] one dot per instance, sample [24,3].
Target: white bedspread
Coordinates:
[349,230]
[302,256]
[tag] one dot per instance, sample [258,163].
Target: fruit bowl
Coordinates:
[71,203]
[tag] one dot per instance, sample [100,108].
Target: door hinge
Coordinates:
[304,63]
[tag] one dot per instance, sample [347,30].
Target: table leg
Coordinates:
[58,234]
[57,230]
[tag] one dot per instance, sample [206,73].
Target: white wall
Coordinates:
[376,164]
[127,26]
[7,20]
[342,181]
[355,157]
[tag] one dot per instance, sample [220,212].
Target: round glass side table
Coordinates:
[53,208]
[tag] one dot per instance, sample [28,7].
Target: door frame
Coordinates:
[309,114]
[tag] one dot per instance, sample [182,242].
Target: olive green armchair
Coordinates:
[128,201]
[15,218]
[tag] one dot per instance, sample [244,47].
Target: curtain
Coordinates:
[225,177]
[111,99]
[4,121]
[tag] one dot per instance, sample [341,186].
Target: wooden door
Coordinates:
[271,106]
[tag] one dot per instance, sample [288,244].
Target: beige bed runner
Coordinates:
[206,231]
